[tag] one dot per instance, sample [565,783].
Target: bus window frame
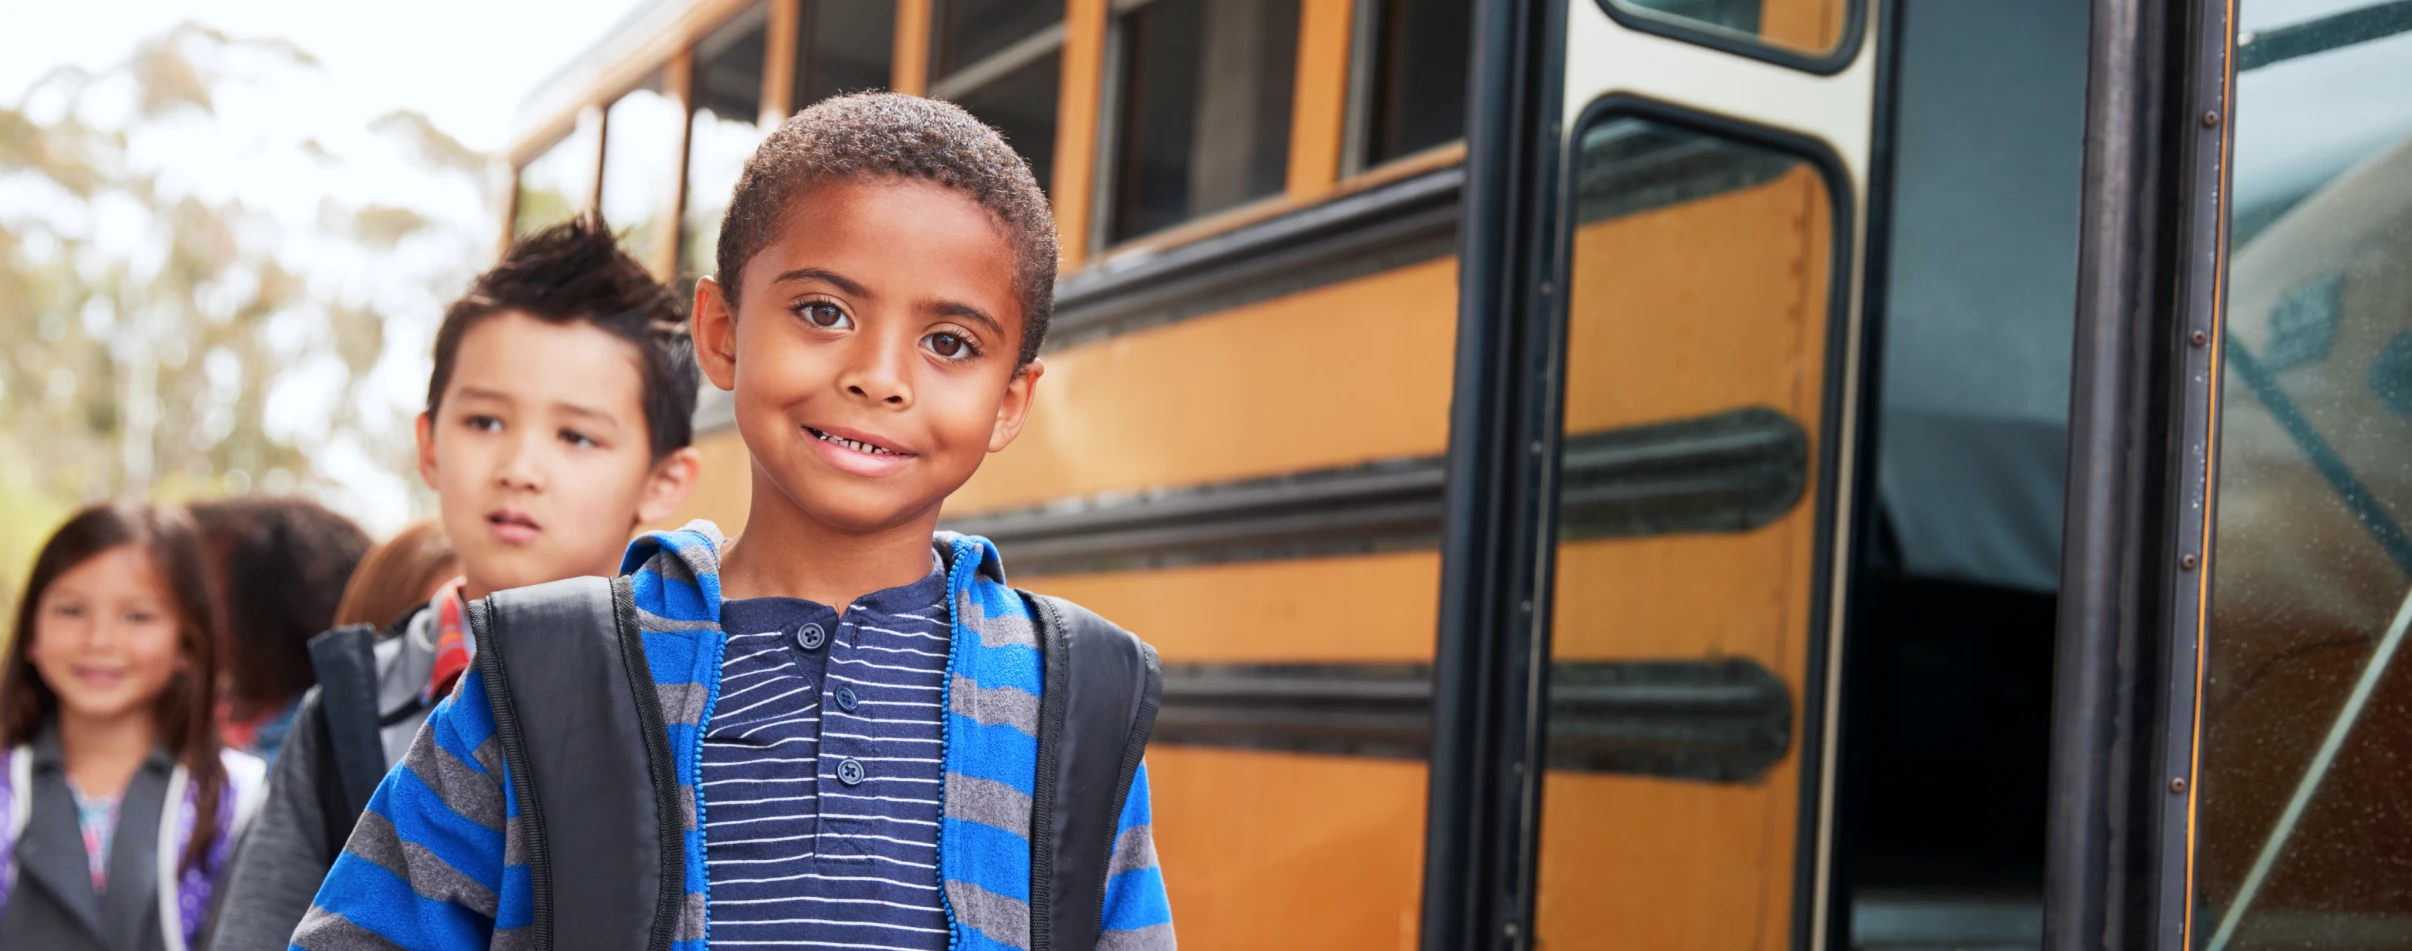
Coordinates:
[2135,569]
[1809,744]
[1822,63]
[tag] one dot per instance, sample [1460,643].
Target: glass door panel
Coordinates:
[1683,642]
[2304,830]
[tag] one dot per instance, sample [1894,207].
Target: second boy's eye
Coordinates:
[483,423]
[579,439]
[824,314]
[952,346]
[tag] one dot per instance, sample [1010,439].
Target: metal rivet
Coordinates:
[1526,607]
[2186,562]
[2178,785]
[1536,447]
[2198,338]
[1519,767]
[1508,929]
[2211,119]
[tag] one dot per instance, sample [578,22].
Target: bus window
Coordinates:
[559,183]
[843,46]
[1411,83]
[2304,831]
[1204,90]
[722,132]
[1805,26]
[1682,636]
[1002,61]
[640,167]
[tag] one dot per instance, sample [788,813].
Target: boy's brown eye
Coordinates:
[824,314]
[948,345]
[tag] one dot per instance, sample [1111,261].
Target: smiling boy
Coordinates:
[558,418]
[853,734]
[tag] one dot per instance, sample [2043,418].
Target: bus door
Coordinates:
[1658,356]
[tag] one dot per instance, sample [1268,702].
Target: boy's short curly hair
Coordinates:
[876,134]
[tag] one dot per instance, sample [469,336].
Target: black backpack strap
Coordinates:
[1102,688]
[581,728]
[351,758]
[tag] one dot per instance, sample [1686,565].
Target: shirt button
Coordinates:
[850,771]
[810,637]
[847,699]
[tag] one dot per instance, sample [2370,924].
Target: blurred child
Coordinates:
[841,742]
[279,565]
[558,418]
[120,807]
[398,577]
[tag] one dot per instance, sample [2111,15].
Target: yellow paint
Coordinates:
[1076,127]
[1319,97]
[1265,851]
[1337,375]
[1712,305]
[1810,25]
[1358,609]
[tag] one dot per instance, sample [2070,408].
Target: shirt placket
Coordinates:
[846,765]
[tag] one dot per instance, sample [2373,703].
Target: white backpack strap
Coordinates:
[247,781]
[168,856]
[20,791]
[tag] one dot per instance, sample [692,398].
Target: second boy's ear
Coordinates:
[672,481]
[715,331]
[427,458]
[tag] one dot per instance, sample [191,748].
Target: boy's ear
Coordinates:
[667,488]
[427,460]
[715,332]
[1015,409]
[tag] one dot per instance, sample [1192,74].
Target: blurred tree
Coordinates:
[162,337]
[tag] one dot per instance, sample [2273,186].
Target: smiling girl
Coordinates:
[117,805]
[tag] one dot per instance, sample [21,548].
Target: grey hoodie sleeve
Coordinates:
[281,860]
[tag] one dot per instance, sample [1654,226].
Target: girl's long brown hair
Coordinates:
[184,709]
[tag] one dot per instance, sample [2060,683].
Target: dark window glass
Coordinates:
[964,32]
[722,132]
[1021,105]
[1205,99]
[843,46]
[728,66]
[1416,94]
[2304,828]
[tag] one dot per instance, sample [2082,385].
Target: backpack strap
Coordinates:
[1099,706]
[351,759]
[582,732]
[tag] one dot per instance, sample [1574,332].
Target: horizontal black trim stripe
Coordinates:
[1730,472]
[1717,720]
[2279,44]
[1372,231]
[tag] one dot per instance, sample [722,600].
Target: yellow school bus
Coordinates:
[1678,474]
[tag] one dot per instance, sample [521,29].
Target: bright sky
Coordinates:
[464,63]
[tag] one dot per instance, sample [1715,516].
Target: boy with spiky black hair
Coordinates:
[842,729]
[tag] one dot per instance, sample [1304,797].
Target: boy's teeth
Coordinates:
[852,444]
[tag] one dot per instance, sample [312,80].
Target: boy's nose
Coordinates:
[879,377]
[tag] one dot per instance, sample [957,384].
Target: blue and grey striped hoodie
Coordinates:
[438,861]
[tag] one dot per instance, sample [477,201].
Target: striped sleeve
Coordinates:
[1138,917]
[425,869]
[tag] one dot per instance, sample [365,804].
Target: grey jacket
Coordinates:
[284,857]
[52,905]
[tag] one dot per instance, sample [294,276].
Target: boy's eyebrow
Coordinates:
[973,314]
[821,274]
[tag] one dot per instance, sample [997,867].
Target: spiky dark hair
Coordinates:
[575,272]
[884,134]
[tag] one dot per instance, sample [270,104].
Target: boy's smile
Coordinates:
[873,352]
